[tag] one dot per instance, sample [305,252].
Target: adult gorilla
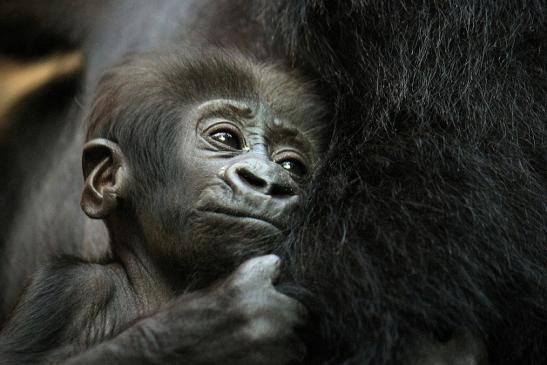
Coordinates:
[430,216]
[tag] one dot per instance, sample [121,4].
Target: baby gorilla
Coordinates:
[195,164]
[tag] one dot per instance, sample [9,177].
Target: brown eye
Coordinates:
[227,138]
[294,167]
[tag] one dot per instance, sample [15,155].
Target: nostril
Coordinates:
[281,190]
[251,178]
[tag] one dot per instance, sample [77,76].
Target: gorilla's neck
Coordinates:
[144,274]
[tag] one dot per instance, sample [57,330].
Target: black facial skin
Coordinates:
[245,164]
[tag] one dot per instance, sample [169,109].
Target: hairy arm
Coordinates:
[68,305]
[242,320]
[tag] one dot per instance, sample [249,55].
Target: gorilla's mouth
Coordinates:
[230,213]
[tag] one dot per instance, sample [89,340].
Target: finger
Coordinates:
[259,271]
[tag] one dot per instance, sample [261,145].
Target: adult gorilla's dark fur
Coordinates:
[432,203]
[430,213]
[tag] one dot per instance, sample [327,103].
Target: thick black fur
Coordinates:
[430,213]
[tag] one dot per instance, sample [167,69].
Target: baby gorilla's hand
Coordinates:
[267,317]
[241,320]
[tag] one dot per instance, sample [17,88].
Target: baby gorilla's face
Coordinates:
[219,148]
[243,167]
[243,172]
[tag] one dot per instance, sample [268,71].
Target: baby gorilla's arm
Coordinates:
[241,320]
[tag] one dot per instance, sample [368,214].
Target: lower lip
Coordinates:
[241,218]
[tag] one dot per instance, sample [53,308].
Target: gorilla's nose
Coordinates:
[263,177]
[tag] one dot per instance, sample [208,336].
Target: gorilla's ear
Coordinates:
[106,177]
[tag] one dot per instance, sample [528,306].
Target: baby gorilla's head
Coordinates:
[206,156]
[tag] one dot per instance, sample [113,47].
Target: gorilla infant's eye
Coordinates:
[226,136]
[294,166]
[291,161]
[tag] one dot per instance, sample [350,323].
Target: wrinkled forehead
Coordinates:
[161,81]
[233,76]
